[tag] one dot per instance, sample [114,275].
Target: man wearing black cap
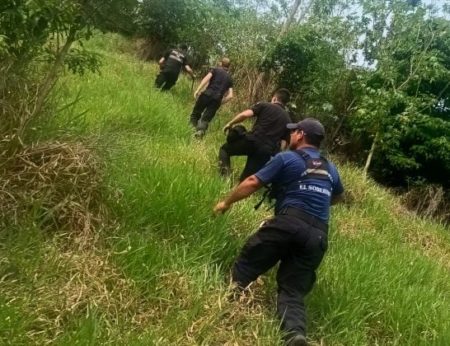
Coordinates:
[265,138]
[305,185]
[171,64]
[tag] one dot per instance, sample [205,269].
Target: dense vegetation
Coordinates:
[155,269]
[106,232]
[375,72]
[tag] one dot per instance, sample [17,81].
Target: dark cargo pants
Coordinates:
[166,80]
[257,155]
[205,109]
[299,247]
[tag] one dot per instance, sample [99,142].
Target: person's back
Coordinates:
[264,140]
[312,194]
[219,90]
[174,61]
[296,238]
[270,123]
[219,83]
[171,64]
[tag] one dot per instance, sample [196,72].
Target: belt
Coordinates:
[308,218]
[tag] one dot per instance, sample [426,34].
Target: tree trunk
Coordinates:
[290,18]
[369,157]
[49,80]
[305,12]
[263,75]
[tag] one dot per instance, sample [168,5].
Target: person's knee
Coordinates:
[223,151]
[242,275]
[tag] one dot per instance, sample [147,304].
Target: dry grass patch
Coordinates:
[234,322]
[433,245]
[57,182]
[70,285]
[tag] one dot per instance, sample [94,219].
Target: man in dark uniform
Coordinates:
[219,90]
[171,64]
[267,136]
[296,236]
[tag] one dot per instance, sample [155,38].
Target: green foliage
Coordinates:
[211,28]
[113,15]
[403,101]
[245,36]
[309,61]
[35,43]
[305,62]
[173,22]
[160,275]
[81,60]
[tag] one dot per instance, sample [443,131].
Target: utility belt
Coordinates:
[308,218]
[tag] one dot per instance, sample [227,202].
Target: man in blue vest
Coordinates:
[305,185]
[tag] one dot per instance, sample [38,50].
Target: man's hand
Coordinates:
[227,128]
[243,190]
[221,208]
[248,113]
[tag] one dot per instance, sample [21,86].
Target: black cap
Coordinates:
[310,126]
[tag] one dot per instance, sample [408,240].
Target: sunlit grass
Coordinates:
[159,275]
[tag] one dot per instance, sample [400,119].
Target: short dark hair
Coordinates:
[313,139]
[183,46]
[283,95]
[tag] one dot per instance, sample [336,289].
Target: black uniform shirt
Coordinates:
[271,121]
[219,83]
[174,60]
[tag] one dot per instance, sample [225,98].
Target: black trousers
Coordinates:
[257,154]
[205,109]
[299,247]
[166,80]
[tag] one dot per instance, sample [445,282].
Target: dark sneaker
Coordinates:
[199,134]
[297,340]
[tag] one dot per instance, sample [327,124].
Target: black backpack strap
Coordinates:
[319,170]
[303,154]
[264,196]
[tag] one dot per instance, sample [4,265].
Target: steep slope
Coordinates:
[158,273]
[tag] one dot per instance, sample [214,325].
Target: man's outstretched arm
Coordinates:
[248,113]
[189,70]
[243,190]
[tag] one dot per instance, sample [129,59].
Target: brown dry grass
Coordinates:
[254,85]
[219,322]
[60,186]
[81,281]
[60,183]
[430,201]
[431,244]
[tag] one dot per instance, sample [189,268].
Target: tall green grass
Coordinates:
[164,264]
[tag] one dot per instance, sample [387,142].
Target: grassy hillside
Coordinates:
[157,272]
